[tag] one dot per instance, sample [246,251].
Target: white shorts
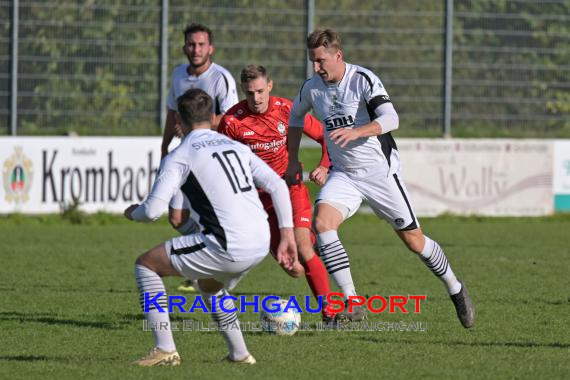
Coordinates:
[195,257]
[385,193]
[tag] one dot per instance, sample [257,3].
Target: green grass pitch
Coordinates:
[69,305]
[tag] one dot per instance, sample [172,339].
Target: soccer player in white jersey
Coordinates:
[359,116]
[200,72]
[219,176]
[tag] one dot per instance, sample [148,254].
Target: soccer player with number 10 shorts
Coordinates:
[261,121]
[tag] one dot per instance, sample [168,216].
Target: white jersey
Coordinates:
[219,176]
[216,82]
[350,103]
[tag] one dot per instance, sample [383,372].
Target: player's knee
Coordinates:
[176,219]
[142,260]
[322,224]
[209,285]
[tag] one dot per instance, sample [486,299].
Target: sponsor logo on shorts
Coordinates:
[399,222]
[305,219]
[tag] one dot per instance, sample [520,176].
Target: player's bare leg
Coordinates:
[228,323]
[432,255]
[149,268]
[327,222]
[315,272]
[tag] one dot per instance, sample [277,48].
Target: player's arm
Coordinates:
[167,182]
[300,107]
[386,119]
[169,132]
[170,123]
[314,130]
[226,97]
[265,178]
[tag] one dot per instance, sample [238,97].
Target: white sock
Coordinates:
[334,257]
[151,283]
[228,324]
[434,258]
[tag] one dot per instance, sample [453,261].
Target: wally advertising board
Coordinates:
[478,176]
[458,176]
[44,174]
[561,181]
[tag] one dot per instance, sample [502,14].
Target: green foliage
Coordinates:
[92,67]
[72,213]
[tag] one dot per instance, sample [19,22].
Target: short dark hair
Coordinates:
[196,28]
[327,38]
[251,72]
[195,106]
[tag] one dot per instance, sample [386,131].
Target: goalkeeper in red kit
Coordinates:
[261,122]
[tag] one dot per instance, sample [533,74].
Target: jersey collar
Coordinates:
[190,76]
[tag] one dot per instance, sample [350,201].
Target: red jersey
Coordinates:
[266,133]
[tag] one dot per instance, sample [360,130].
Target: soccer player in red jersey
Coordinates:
[261,121]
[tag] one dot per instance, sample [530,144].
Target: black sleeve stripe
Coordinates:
[378,100]
[218,110]
[367,79]
[301,90]
[227,84]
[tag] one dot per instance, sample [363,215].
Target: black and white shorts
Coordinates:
[385,193]
[195,257]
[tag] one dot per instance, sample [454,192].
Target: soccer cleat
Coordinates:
[328,317]
[156,357]
[464,307]
[188,286]
[359,313]
[248,360]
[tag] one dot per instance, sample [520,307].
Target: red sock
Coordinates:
[317,276]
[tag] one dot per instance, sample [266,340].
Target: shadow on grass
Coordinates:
[25,358]
[67,289]
[472,344]
[53,320]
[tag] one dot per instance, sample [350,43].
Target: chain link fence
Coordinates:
[94,67]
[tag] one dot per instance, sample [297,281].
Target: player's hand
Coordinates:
[294,173]
[129,210]
[319,175]
[342,136]
[287,250]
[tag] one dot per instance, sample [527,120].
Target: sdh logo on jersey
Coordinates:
[335,122]
[17,176]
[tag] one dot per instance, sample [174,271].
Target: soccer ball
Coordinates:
[280,322]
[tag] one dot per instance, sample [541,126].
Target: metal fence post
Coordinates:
[14,64]
[310,27]
[163,62]
[448,67]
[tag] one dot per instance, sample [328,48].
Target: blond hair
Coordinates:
[327,38]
